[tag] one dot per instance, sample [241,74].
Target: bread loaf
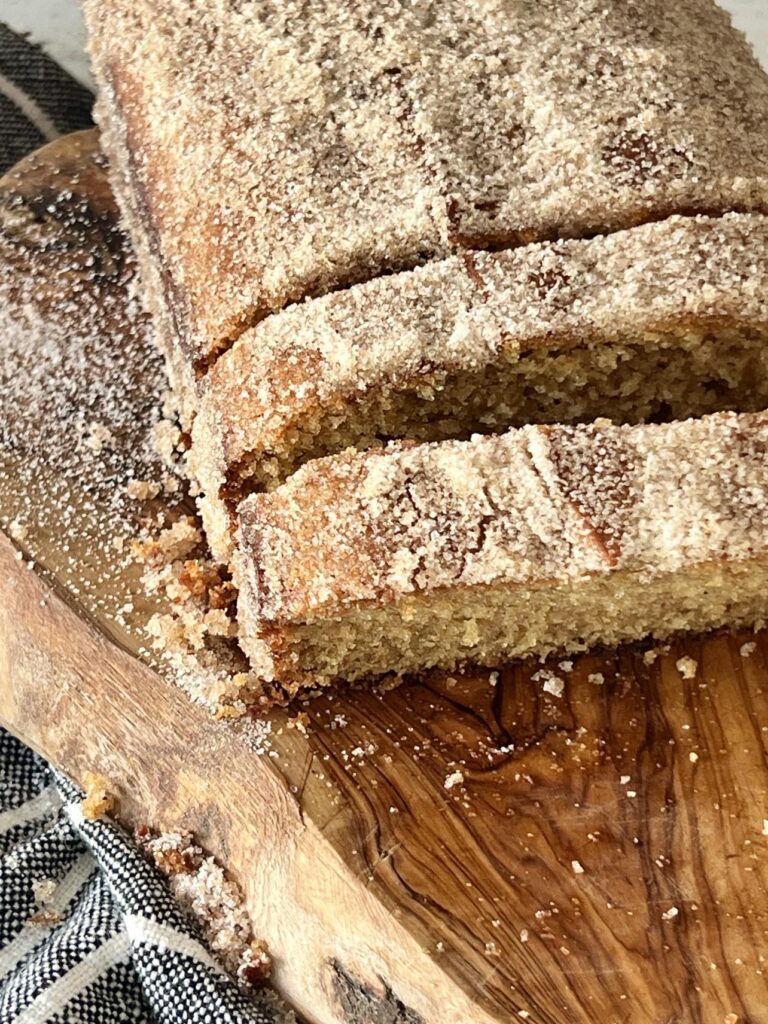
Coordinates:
[365,221]
[666,319]
[541,539]
[263,153]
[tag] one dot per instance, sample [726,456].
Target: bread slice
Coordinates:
[266,152]
[542,539]
[663,320]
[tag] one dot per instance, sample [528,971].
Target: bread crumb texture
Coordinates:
[416,555]
[687,667]
[669,316]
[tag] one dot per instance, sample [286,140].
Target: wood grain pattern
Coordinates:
[601,858]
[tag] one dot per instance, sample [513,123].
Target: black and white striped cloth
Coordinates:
[89,932]
[38,99]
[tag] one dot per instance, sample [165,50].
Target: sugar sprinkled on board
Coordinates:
[81,380]
[89,440]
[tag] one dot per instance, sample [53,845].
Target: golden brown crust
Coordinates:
[539,506]
[285,150]
[412,330]
[413,333]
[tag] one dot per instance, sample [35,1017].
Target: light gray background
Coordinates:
[58,26]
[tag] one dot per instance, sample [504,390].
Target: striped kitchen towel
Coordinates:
[38,99]
[89,931]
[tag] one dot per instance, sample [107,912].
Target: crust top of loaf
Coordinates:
[284,150]
[412,330]
[535,505]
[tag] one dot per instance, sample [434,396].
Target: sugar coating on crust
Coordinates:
[413,330]
[534,505]
[283,150]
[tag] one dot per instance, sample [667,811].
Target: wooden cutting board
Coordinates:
[600,856]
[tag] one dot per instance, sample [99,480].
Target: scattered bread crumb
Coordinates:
[670,915]
[43,890]
[205,890]
[550,682]
[170,484]
[18,531]
[230,710]
[649,657]
[577,868]
[97,437]
[44,918]
[748,649]
[454,779]
[299,722]
[687,667]
[167,441]
[180,539]
[98,801]
[142,490]
[596,677]
[256,965]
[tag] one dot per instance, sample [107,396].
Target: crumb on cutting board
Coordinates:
[453,779]
[143,490]
[98,800]
[687,667]
[205,890]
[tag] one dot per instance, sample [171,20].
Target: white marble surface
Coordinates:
[58,26]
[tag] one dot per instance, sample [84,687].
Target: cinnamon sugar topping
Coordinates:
[305,147]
